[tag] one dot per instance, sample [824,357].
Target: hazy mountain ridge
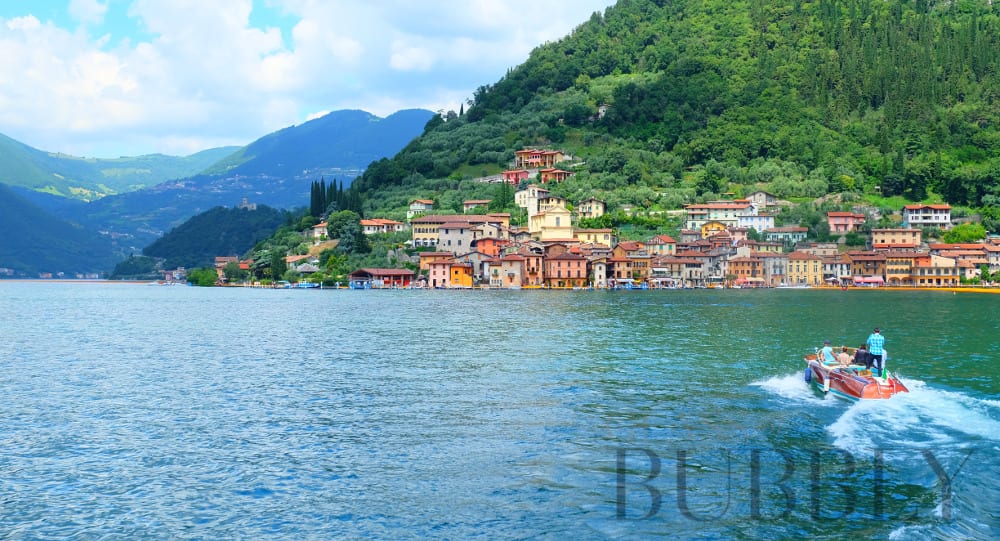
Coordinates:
[276,170]
[90,179]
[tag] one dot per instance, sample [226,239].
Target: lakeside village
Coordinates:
[715,249]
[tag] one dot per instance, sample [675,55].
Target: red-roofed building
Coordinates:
[867,265]
[532,158]
[661,245]
[896,239]
[844,222]
[935,270]
[553,175]
[566,270]
[470,204]
[380,225]
[788,235]
[515,176]
[511,271]
[419,206]
[726,212]
[927,216]
[369,278]
[804,268]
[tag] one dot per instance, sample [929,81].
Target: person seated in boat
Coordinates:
[844,357]
[827,353]
[861,356]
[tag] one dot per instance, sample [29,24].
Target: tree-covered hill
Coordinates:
[34,242]
[217,232]
[800,98]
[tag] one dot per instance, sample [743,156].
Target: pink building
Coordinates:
[844,222]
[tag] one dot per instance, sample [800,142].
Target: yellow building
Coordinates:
[899,267]
[553,223]
[712,228]
[594,236]
[804,269]
[895,238]
[935,270]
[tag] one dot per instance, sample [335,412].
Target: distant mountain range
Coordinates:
[152,194]
[89,179]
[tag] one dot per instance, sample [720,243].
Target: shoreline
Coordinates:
[952,289]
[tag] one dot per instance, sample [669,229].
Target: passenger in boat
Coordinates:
[844,358]
[861,356]
[827,352]
[875,344]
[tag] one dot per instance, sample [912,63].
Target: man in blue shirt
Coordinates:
[827,353]
[876,343]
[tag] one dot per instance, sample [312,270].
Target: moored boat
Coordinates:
[853,382]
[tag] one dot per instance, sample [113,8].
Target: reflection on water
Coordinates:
[137,411]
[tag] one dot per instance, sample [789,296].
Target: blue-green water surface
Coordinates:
[135,411]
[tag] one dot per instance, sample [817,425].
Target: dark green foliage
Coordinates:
[277,266]
[324,199]
[965,233]
[34,241]
[136,268]
[799,98]
[204,277]
[503,201]
[218,232]
[345,226]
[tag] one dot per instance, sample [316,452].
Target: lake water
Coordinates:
[135,411]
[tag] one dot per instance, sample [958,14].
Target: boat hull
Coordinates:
[851,383]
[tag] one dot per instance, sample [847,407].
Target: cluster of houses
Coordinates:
[714,250]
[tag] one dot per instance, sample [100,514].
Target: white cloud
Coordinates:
[200,75]
[410,58]
[88,11]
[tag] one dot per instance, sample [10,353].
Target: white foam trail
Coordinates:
[923,417]
[794,387]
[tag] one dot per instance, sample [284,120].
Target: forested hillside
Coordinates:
[876,99]
[34,241]
[217,232]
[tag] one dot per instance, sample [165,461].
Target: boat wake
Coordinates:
[793,387]
[946,443]
[924,417]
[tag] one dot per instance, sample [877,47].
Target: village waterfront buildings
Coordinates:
[484,250]
[716,246]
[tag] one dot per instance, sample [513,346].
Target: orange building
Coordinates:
[554,175]
[566,270]
[532,158]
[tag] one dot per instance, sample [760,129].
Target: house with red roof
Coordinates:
[844,222]
[566,270]
[938,216]
[374,278]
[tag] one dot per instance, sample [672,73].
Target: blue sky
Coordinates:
[110,78]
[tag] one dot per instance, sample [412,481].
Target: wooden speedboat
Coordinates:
[852,382]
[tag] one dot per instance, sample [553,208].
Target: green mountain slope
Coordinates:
[35,241]
[342,140]
[217,232]
[665,103]
[93,178]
